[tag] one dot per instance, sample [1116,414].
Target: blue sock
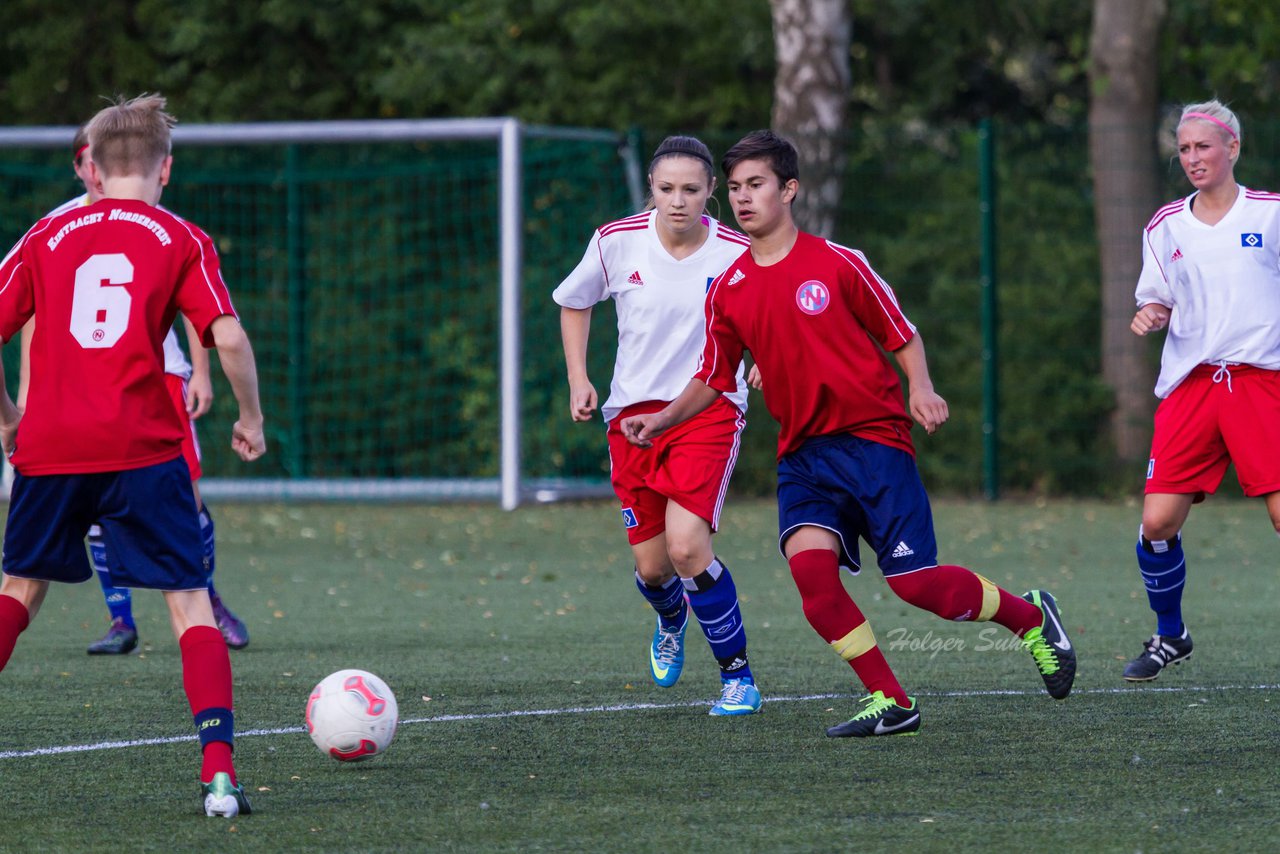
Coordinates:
[667,600]
[206,547]
[1164,573]
[119,599]
[714,600]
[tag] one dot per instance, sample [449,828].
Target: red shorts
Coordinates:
[689,464]
[190,444]
[1204,425]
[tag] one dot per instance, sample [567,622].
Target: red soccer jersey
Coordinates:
[815,323]
[104,283]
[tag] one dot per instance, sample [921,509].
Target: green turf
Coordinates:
[467,611]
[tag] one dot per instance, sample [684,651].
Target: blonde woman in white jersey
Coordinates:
[657,266]
[1211,277]
[192,390]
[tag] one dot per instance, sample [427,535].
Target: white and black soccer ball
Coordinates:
[352,715]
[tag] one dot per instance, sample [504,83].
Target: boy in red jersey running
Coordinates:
[818,320]
[99,439]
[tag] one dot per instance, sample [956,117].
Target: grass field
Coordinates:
[516,647]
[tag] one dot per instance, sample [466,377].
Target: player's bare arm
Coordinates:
[642,429]
[575,328]
[927,406]
[236,355]
[24,362]
[1152,317]
[10,415]
[200,386]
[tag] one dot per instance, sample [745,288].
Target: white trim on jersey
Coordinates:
[660,302]
[878,288]
[1221,281]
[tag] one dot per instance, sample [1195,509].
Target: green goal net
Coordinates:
[368,269]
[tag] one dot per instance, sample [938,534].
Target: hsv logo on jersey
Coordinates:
[1251,241]
[1177,256]
[813,297]
[634,279]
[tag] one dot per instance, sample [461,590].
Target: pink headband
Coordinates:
[1208,118]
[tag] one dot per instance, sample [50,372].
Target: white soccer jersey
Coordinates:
[1221,281]
[175,360]
[659,301]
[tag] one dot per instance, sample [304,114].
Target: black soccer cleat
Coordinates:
[1161,651]
[1050,647]
[879,716]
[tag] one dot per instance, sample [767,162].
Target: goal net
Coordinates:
[395,279]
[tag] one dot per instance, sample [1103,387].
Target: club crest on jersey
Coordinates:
[813,297]
[1251,241]
[629,520]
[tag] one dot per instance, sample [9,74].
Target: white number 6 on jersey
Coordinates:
[100,305]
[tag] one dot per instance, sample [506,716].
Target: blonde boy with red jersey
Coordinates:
[99,439]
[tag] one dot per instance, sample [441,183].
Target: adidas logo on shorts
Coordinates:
[902,550]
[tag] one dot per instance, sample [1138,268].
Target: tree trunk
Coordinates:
[811,100]
[1122,152]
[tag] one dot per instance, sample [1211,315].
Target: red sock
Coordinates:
[951,592]
[1017,614]
[14,619]
[839,622]
[956,593]
[206,677]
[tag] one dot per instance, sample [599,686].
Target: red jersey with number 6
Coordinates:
[105,283]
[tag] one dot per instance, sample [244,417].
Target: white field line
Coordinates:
[621,707]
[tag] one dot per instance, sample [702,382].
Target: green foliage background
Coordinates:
[924,72]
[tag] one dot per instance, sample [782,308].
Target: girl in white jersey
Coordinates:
[657,265]
[1211,276]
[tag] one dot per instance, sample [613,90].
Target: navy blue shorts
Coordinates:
[854,488]
[148,519]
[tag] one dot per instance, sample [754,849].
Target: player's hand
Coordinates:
[1152,317]
[640,430]
[9,435]
[582,401]
[199,395]
[247,441]
[928,409]
[754,379]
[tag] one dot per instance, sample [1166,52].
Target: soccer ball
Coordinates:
[352,715]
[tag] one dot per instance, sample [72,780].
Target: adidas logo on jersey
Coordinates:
[902,550]
[737,276]
[634,279]
[1177,256]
